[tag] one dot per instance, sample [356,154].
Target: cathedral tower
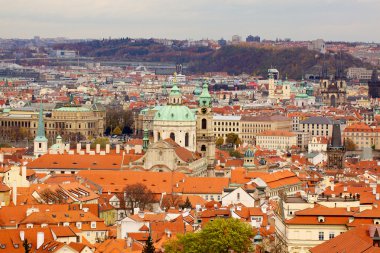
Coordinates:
[333,91]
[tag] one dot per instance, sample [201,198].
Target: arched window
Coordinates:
[204,124]
[186,139]
[203,148]
[159,136]
[172,136]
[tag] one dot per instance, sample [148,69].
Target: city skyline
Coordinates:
[332,20]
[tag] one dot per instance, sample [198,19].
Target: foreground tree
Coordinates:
[149,247]
[137,195]
[219,236]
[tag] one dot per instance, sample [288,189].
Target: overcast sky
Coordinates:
[348,20]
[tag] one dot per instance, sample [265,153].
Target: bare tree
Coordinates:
[137,195]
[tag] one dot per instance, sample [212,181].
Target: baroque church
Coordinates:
[183,138]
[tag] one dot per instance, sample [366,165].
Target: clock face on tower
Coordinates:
[204,110]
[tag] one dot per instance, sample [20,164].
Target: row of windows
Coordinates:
[221,123]
[321,235]
[317,132]
[212,197]
[319,126]
[226,129]
[257,125]
[15,124]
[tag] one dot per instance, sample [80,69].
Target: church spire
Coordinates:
[375,76]
[339,68]
[324,73]
[40,142]
[41,126]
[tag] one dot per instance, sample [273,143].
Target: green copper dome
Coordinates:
[197,90]
[175,90]
[205,97]
[175,113]
[249,153]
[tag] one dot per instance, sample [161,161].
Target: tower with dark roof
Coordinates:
[336,149]
[374,85]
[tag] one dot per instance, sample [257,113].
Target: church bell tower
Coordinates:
[205,133]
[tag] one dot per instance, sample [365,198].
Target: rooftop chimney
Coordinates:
[14,193]
[23,172]
[88,147]
[97,148]
[79,147]
[117,149]
[107,148]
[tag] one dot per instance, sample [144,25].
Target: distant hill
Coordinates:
[232,59]
[256,60]
[137,50]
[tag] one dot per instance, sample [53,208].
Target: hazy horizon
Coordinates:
[331,20]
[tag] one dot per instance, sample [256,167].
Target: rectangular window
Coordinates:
[321,236]
[331,235]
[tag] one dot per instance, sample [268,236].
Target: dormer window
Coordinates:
[93,224]
[321,219]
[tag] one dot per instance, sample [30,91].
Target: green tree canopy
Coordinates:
[236,154]
[102,141]
[218,236]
